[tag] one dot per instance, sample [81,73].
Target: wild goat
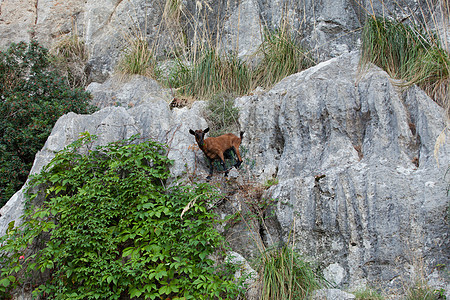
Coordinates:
[215,147]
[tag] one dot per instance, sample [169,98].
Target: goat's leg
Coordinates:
[224,167]
[210,169]
[222,162]
[239,162]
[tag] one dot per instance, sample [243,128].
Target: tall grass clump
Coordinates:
[285,275]
[408,52]
[70,58]
[211,74]
[281,57]
[137,59]
[172,10]
[422,291]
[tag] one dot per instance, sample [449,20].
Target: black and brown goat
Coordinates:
[215,147]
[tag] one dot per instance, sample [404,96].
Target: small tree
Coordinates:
[32,98]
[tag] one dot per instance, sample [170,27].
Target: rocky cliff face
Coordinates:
[329,27]
[358,181]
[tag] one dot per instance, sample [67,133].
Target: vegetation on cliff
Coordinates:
[104,225]
[32,98]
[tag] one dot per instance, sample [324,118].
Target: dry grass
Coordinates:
[71,56]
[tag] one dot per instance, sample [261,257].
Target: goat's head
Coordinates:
[199,135]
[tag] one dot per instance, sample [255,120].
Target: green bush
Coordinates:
[110,229]
[32,98]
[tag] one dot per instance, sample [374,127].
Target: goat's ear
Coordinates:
[191,132]
[206,130]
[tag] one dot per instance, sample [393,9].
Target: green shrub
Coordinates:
[110,229]
[32,98]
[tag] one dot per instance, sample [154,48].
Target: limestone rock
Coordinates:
[14,22]
[127,91]
[242,30]
[246,272]
[357,176]
[331,294]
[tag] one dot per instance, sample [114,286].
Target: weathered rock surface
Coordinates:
[329,27]
[353,154]
[246,272]
[358,180]
[332,294]
[127,92]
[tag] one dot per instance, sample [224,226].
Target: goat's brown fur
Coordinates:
[215,147]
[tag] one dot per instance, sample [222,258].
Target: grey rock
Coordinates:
[263,142]
[127,91]
[331,294]
[14,22]
[12,211]
[357,176]
[247,273]
[243,31]
[110,26]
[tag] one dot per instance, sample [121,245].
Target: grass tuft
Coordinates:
[211,75]
[221,115]
[408,52]
[70,57]
[137,59]
[286,276]
[282,56]
[422,291]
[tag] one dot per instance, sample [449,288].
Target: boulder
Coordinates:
[127,91]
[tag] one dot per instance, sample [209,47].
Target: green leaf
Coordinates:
[134,292]
[5,282]
[203,255]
